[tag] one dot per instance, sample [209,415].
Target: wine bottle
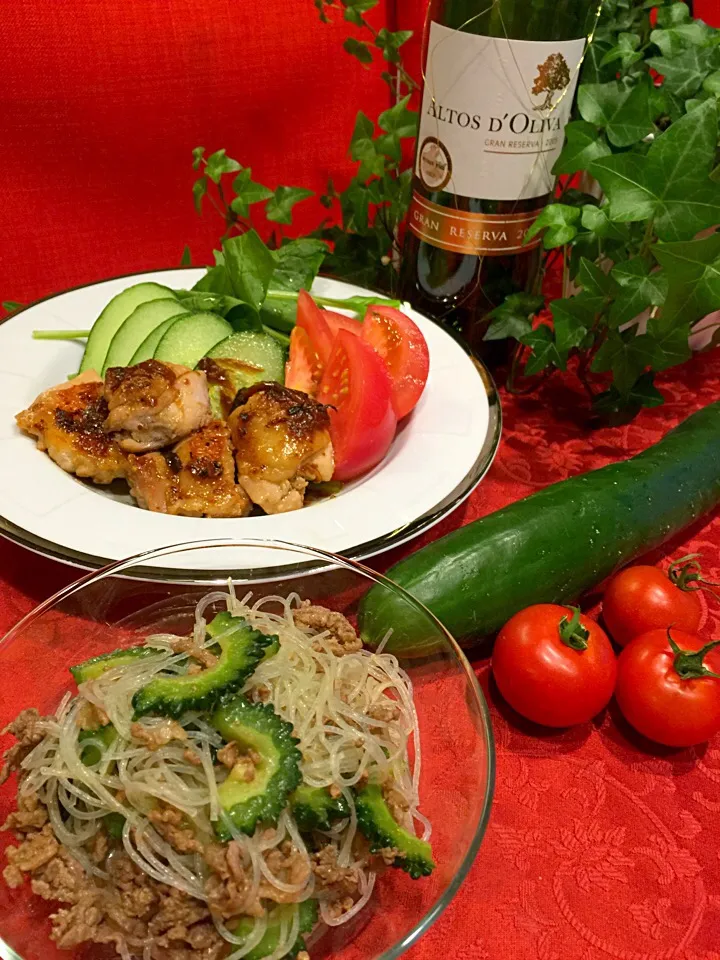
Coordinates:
[500,76]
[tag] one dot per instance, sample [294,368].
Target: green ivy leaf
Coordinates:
[247,192]
[297,263]
[545,353]
[186,258]
[250,265]
[573,317]
[643,393]
[669,342]
[391,41]
[399,120]
[623,112]
[197,155]
[711,84]
[593,68]
[669,15]
[559,221]
[685,73]
[678,38]
[595,219]
[626,355]
[219,163]
[583,144]
[279,207]
[638,289]
[671,183]
[199,190]
[362,148]
[595,281]
[626,51]
[693,272]
[512,317]
[10,306]
[358,49]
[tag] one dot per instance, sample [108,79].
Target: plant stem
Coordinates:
[60,334]
[281,338]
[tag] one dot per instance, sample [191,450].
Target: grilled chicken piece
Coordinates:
[196,479]
[153,404]
[67,421]
[282,440]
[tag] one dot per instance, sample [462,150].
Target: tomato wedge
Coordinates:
[404,350]
[303,370]
[338,321]
[362,423]
[311,319]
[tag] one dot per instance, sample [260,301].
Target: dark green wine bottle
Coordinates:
[500,76]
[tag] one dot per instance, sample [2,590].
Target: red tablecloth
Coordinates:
[598,844]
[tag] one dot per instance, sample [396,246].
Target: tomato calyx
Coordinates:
[686,574]
[689,664]
[572,633]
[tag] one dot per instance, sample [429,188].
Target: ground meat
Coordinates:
[337,908]
[342,636]
[289,866]
[91,717]
[100,846]
[171,824]
[61,879]
[201,654]
[30,814]
[80,923]
[303,955]
[261,693]
[192,757]
[242,765]
[389,855]
[387,710]
[396,802]
[28,728]
[37,849]
[158,735]
[329,875]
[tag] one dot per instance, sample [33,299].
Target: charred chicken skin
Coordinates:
[195,479]
[282,441]
[154,404]
[67,421]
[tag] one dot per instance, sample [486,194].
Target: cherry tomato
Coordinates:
[312,319]
[403,348]
[668,687]
[303,370]
[338,321]
[362,425]
[554,666]
[644,598]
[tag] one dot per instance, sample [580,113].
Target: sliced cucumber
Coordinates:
[256,349]
[188,339]
[141,322]
[113,317]
[146,350]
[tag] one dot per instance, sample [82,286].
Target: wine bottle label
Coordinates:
[493,113]
[480,234]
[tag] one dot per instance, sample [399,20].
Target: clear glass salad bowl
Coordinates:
[114,607]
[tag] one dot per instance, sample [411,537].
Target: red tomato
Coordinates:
[405,352]
[338,321]
[554,666]
[303,369]
[670,694]
[312,319]
[644,598]
[362,425]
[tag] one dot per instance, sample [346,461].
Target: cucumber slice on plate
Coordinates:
[146,350]
[255,349]
[142,321]
[113,317]
[188,339]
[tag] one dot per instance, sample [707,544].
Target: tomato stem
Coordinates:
[572,633]
[686,574]
[689,663]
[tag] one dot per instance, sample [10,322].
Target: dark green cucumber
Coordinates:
[553,546]
[256,726]
[92,752]
[377,825]
[308,910]
[96,666]
[314,808]
[241,649]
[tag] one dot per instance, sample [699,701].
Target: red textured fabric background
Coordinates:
[599,845]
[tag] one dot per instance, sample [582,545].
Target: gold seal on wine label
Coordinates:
[434,163]
[478,234]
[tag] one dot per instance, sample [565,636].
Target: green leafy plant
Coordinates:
[645,130]
[360,232]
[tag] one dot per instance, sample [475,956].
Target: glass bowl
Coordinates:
[114,607]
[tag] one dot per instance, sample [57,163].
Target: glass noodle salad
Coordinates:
[222,795]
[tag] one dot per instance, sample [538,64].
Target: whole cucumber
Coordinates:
[553,546]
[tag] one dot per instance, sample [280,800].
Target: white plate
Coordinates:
[438,456]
